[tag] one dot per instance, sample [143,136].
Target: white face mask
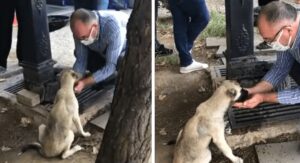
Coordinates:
[276,45]
[89,40]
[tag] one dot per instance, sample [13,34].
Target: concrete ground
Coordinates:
[287,152]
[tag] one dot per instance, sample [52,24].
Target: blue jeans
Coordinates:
[91,4]
[103,5]
[190,17]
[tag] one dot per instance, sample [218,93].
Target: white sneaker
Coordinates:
[194,66]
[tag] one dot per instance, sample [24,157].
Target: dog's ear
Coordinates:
[231,93]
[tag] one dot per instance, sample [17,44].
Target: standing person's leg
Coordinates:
[22,26]
[264,2]
[180,23]
[159,48]
[102,4]
[199,19]
[6,19]
[86,4]
[91,4]
[77,4]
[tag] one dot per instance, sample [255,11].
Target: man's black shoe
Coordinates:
[161,51]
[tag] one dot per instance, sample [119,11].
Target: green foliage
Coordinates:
[216,26]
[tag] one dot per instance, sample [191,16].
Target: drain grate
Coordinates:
[265,113]
[15,88]
[85,99]
[222,72]
[88,96]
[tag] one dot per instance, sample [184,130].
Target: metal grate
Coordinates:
[15,88]
[265,113]
[85,99]
[88,96]
[222,72]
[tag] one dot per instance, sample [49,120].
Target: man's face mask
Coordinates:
[89,40]
[276,45]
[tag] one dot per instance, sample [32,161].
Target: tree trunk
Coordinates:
[127,137]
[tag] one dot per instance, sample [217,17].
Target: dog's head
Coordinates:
[234,91]
[69,75]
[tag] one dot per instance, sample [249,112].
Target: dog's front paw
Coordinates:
[238,160]
[86,134]
[77,148]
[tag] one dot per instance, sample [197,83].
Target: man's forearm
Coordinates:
[270,97]
[261,87]
[88,81]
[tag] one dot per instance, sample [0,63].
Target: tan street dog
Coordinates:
[55,138]
[207,124]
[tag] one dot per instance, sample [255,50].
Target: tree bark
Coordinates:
[127,137]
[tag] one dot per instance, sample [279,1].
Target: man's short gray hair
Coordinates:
[277,11]
[86,16]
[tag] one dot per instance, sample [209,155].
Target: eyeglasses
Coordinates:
[276,35]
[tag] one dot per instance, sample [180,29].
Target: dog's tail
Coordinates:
[37,146]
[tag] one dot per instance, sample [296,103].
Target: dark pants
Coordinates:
[91,4]
[8,9]
[190,17]
[264,2]
[96,61]
[295,72]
